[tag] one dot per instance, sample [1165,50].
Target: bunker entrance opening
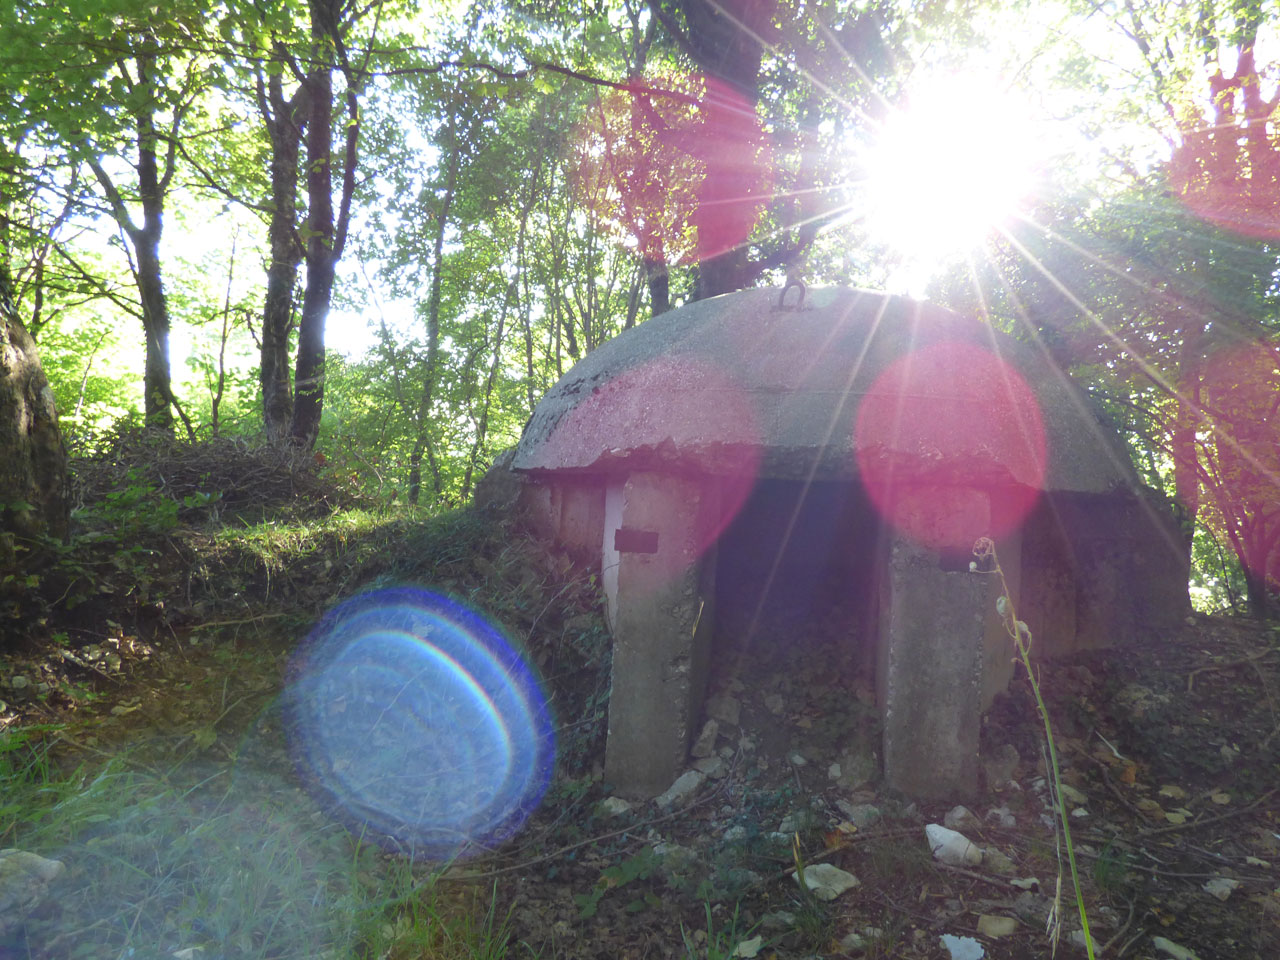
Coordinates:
[794,644]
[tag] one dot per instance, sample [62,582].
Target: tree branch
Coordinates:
[119,211]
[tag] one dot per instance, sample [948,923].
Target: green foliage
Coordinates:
[174,857]
[719,944]
[636,867]
[136,508]
[1111,867]
[539,249]
[988,562]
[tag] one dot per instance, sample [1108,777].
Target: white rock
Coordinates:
[1172,949]
[962,948]
[705,745]
[951,847]
[861,815]
[778,920]
[614,806]
[853,941]
[686,786]
[997,862]
[797,758]
[793,822]
[1221,887]
[1003,817]
[24,883]
[826,881]
[713,767]
[959,817]
[1071,794]
[724,708]
[1079,813]
[1077,940]
[735,833]
[749,948]
[993,926]
[20,863]
[834,772]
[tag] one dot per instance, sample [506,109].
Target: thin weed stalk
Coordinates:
[985,550]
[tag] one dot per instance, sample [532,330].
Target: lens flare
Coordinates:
[952,164]
[1239,449]
[1220,176]
[677,166]
[414,716]
[951,445]
[669,413]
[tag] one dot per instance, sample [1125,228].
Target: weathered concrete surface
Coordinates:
[501,487]
[642,455]
[662,629]
[569,512]
[733,384]
[1101,570]
[929,677]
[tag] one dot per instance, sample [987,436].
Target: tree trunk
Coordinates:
[728,45]
[33,463]
[321,263]
[1186,473]
[157,386]
[158,400]
[659,281]
[1257,597]
[285,120]
[326,233]
[145,240]
[422,420]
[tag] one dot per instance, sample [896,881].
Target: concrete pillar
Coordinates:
[657,590]
[933,645]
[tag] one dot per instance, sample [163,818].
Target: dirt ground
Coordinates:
[1170,750]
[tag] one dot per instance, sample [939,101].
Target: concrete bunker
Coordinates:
[733,452]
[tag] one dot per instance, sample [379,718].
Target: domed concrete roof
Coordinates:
[851,381]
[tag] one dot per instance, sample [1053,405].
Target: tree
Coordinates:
[1220,127]
[284,118]
[290,82]
[33,463]
[1240,460]
[136,83]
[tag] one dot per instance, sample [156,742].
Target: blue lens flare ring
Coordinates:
[412,716]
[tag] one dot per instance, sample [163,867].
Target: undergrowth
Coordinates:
[219,851]
[236,864]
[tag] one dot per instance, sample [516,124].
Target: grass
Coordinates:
[236,862]
[894,860]
[177,842]
[1020,633]
[718,944]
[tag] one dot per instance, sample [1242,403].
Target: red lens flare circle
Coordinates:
[676,166]
[672,415]
[1227,183]
[951,445]
[1240,396]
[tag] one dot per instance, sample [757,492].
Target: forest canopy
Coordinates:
[378,231]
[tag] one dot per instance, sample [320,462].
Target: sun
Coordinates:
[945,170]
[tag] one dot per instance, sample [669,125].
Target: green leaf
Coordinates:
[205,737]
